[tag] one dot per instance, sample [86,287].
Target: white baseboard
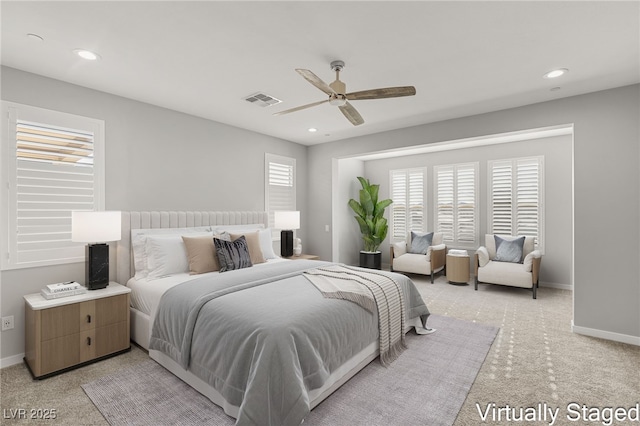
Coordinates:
[556,285]
[608,335]
[11,360]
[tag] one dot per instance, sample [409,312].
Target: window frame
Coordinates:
[8,171]
[407,213]
[540,240]
[456,241]
[285,161]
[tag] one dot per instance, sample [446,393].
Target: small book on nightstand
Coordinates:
[70,288]
[69,285]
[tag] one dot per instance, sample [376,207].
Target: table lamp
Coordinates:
[96,228]
[286,221]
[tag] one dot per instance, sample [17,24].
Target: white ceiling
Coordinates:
[203,58]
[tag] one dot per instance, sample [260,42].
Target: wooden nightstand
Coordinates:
[458,269]
[304,257]
[69,332]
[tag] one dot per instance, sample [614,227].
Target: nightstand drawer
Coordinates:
[60,321]
[111,310]
[60,353]
[112,338]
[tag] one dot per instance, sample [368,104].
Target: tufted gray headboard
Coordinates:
[169,219]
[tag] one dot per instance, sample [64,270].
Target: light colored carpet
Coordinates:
[427,385]
[517,371]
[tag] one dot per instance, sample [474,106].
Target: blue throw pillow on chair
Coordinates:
[420,242]
[509,250]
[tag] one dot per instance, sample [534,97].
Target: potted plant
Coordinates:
[373,226]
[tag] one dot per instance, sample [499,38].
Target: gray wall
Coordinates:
[557,193]
[156,159]
[606,164]
[345,228]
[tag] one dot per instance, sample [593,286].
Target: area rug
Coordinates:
[427,385]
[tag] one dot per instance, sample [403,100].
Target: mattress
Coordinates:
[146,293]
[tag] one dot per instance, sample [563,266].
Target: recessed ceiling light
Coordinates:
[555,89]
[312,129]
[87,54]
[556,73]
[35,37]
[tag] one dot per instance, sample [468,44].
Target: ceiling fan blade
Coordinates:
[300,107]
[352,115]
[316,81]
[386,92]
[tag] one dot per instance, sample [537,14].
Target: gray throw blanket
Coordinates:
[370,290]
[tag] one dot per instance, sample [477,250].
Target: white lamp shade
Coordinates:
[287,220]
[95,227]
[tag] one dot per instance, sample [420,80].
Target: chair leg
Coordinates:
[475,281]
[432,274]
[535,288]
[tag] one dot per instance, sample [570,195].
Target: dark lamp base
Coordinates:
[97,266]
[286,243]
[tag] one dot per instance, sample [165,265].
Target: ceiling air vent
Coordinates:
[262,99]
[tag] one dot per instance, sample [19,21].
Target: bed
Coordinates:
[261,342]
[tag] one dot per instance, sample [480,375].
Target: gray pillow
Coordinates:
[420,242]
[509,250]
[232,254]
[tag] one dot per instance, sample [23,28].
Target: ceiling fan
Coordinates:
[338,96]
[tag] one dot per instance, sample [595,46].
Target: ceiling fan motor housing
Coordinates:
[337,99]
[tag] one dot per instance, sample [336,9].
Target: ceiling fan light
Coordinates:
[337,100]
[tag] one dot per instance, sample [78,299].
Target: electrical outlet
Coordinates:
[7,323]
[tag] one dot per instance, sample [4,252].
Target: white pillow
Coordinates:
[166,255]
[528,260]
[483,256]
[266,244]
[399,248]
[139,244]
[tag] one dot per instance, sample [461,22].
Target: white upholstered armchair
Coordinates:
[420,254]
[508,260]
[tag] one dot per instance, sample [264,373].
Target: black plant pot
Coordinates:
[371,260]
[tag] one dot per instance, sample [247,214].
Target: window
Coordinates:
[516,198]
[456,208]
[407,210]
[53,164]
[280,186]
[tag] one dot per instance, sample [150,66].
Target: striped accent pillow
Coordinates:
[232,254]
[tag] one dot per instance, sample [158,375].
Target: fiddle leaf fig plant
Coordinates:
[370,215]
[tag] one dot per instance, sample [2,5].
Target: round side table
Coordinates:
[458,269]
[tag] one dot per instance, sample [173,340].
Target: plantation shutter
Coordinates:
[280,188]
[50,173]
[456,206]
[445,202]
[501,197]
[516,197]
[416,200]
[399,207]
[466,205]
[407,210]
[527,197]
